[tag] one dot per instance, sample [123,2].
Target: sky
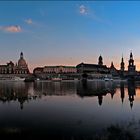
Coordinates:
[69,32]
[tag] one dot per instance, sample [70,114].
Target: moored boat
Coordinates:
[12,78]
[18,79]
[56,79]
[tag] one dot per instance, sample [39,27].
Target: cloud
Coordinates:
[83,10]
[11,29]
[28,21]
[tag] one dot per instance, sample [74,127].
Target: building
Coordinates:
[11,68]
[21,67]
[131,66]
[93,68]
[38,70]
[7,69]
[122,68]
[49,72]
[113,70]
[55,70]
[59,69]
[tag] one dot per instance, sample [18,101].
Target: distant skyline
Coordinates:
[69,32]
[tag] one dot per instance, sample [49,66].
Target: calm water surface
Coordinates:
[67,109]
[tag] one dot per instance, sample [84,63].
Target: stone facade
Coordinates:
[11,68]
[21,67]
[55,69]
[131,66]
[93,68]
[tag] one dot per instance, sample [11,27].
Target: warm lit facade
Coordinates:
[20,68]
[93,68]
[59,69]
[7,69]
[55,69]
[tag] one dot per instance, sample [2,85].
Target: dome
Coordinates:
[21,61]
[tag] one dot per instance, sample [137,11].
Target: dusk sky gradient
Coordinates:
[69,32]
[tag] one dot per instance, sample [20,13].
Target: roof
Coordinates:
[59,66]
[38,68]
[91,65]
[3,65]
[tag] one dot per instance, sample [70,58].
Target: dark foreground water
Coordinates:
[70,110]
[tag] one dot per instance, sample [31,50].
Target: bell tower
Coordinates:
[122,65]
[100,60]
[131,66]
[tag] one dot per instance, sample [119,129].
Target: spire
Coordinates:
[131,61]
[122,64]
[100,99]
[112,65]
[122,57]
[131,55]
[131,104]
[21,55]
[122,92]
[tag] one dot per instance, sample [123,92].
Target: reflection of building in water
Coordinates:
[54,88]
[122,91]
[98,89]
[100,99]
[131,92]
[111,88]
[112,92]
[14,91]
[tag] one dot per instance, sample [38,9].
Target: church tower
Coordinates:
[131,66]
[122,65]
[100,60]
[122,68]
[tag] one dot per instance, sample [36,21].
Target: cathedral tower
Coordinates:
[122,65]
[131,66]
[100,60]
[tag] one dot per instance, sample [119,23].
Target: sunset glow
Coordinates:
[68,33]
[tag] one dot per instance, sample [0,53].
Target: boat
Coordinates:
[12,79]
[18,79]
[57,79]
[108,79]
[29,79]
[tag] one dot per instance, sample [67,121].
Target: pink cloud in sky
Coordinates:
[11,29]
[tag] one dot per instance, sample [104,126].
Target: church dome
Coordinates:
[21,61]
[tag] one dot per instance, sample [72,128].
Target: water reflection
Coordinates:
[98,89]
[122,91]
[14,92]
[131,92]
[22,92]
[67,108]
